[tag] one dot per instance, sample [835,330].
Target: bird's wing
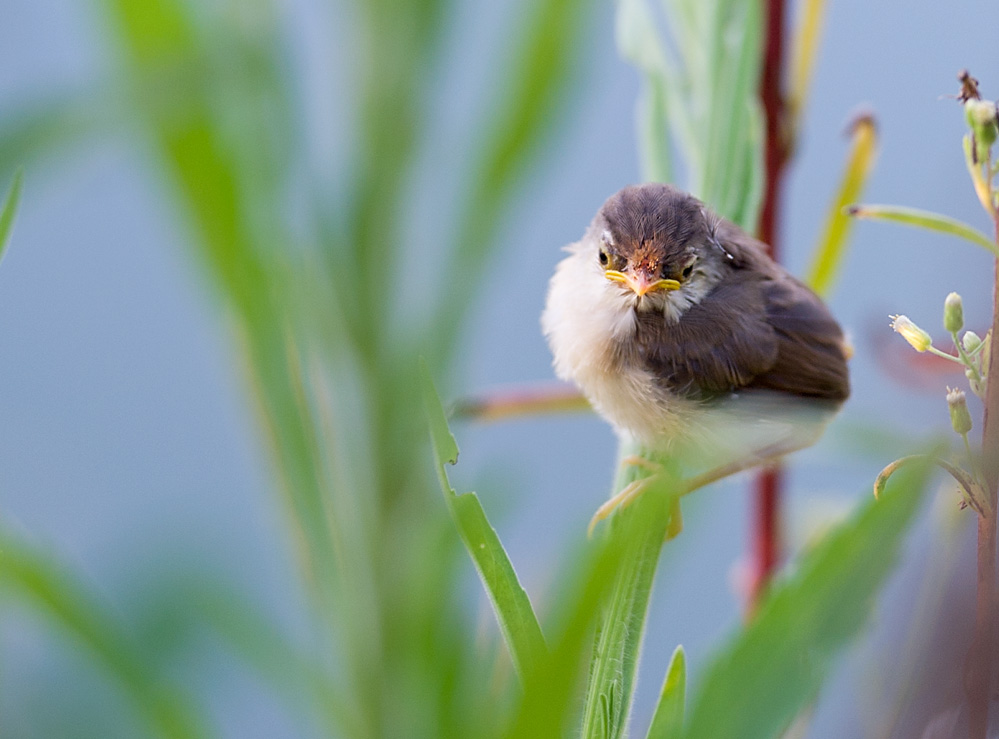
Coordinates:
[811,358]
[720,344]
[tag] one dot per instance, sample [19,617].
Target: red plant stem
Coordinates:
[978,668]
[769,482]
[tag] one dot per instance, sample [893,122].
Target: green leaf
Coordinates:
[667,722]
[639,43]
[804,50]
[923,219]
[706,92]
[524,112]
[638,531]
[761,681]
[56,594]
[9,210]
[831,249]
[517,621]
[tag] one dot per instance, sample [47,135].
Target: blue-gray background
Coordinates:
[125,441]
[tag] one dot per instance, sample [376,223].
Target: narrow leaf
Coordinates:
[517,621]
[639,43]
[830,251]
[550,707]
[805,48]
[923,219]
[667,722]
[529,104]
[57,595]
[763,679]
[9,210]
[639,531]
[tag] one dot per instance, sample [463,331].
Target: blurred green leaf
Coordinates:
[734,101]
[804,50]
[831,250]
[9,210]
[667,722]
[639,43]
[923,219]
[60,597]
[40,128]
[550,703]
[758,684]
[523,113]
[706,91]
[178,609]
[511,605]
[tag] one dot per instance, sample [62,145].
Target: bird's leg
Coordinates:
[675,525]
[763,457]
[629,493]
[635,460]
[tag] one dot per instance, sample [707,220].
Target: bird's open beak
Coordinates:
[640,283]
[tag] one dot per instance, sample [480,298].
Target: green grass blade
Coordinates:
[667,722]
[516,617]
[762,680]
[639,43]
[550,704]
[523,114]
[9,210]
[923,219]
[831,250]
[639,531]
[735,97]
[51,590]
[804,51]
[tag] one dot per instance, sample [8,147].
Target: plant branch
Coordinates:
[978,667]
[769,482]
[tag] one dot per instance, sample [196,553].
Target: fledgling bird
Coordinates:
[688,338]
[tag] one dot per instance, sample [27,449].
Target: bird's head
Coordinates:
[655,247]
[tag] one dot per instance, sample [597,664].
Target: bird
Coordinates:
[690,340]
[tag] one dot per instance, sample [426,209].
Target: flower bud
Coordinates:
[960,418]
[917,338]
[981,117]
[971,341]
[953,317]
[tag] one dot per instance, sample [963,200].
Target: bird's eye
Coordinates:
[687,270]
[604,259]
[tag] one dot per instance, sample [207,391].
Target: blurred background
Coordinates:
[132,450]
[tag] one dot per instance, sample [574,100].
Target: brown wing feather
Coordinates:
[760,328]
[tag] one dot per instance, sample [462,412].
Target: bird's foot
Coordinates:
[634,460]
[630,493]
[627,495]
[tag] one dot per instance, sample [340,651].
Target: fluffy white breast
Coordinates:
[588,320]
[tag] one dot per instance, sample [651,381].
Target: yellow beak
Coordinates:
[640,284]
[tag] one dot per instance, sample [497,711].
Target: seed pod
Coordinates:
[960,418]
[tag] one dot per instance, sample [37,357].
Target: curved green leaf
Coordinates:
[831,249]
[770,671]
[9,210]
[667,722]
[923,219]
[512,607]
[57,595]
